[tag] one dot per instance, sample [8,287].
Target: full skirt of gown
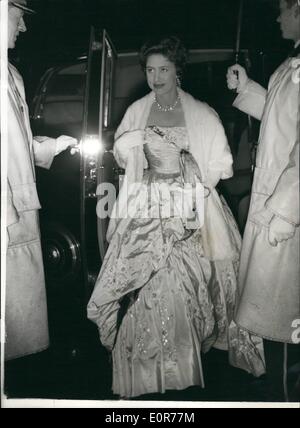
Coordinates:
[159,302]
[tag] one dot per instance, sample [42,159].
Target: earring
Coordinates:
[178,81]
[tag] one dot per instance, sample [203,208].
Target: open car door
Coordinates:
[97,162]
[75,99]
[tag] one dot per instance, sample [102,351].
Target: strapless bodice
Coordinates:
[163,148]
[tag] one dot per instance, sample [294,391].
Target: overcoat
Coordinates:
[26,322]
[269,276]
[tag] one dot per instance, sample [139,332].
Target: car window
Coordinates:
[62,104]
[69,81]
[66,85]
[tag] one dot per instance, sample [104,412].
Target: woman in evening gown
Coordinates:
[167,289]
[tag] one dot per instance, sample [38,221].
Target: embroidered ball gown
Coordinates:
[178,302]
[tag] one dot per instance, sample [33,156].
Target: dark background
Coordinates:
[60,30]
[62,26]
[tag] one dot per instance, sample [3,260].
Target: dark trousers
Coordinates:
[277,370]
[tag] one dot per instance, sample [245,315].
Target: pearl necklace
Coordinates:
[167,108]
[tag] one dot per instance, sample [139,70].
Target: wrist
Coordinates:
[243,86]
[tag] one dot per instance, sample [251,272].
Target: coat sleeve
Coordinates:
[220,158]
[44,149]
[127,122]
[12,213]
[252,99]
[285,199]
[131,135]
[121,152]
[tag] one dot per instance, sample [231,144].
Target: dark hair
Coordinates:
[170,47]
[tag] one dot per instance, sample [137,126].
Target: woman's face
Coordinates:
[161,74]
